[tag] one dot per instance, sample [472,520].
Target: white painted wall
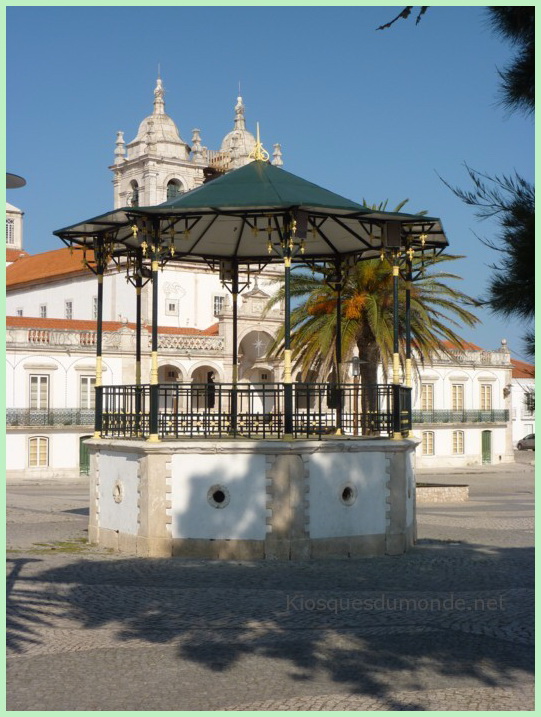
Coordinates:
[243,475]
[443,378]
[443,446]
[329,474]
[522,421]
[64,374]
[193,289]
[79,290]
[16,453]
[124,469]
[63,454]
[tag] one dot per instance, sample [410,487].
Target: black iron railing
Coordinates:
[49,417]
[255,410]
[470,416]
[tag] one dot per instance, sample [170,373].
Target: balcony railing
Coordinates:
[471,416]
[86,341]
[49,417]
[255,410]
[468,356]
[59,338]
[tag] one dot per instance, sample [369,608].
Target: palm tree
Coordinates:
[437,310]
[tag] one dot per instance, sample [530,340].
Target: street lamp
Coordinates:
[356,371]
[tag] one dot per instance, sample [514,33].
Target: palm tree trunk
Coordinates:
[370,358]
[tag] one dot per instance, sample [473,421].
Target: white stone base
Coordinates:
[246,500]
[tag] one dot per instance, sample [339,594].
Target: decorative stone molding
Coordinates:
[40,367]
[118,491]
[288,537]
[210,344]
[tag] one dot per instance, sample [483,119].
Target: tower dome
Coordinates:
[158,131]
[239,142]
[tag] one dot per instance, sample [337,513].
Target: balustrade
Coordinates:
[112,340]
[255,410]
[49,417]
[470,416]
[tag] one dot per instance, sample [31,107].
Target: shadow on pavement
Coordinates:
[217,613]
[77,511]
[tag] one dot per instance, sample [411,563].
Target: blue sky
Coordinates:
[367,114]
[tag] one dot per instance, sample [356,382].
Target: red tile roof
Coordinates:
[211,331]
[15,254]
[521,369]
[36,268]
[31,322]
[466,346]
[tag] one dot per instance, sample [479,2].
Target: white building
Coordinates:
[460,402]
[14,234]
[461,408]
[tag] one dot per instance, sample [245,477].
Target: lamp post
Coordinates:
[355,370]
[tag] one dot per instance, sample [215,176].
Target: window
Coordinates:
[19,312]
[457,397]
[428,443]
[486,397]
[427,397]
[87,394]
[10,231]
[458,442]
[133,196]
[43,311]
[264,376]
[529,402]
[171,307]
[68,309]
[174,188]
[217,304]
[38,452]
[39,392]
[94,307]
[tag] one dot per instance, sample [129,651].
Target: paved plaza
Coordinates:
[448,626]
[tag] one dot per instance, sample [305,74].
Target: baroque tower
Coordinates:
[158,164]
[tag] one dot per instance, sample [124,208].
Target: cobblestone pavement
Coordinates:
[448,626]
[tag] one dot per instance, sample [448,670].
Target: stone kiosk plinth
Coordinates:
[246,500]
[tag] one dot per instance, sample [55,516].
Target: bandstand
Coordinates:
[283,470]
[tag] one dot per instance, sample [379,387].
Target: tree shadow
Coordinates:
[27,609]
[218,614]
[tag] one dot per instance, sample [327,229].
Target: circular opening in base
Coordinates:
[218,496]
[348,494]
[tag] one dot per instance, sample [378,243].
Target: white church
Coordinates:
[469,405]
